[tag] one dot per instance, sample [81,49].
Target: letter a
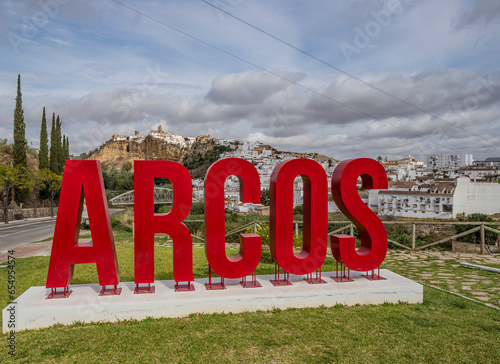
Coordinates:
[82,177]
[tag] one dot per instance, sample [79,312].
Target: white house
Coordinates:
[476,197]
[441,200]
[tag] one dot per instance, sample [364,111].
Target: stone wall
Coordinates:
[15,214]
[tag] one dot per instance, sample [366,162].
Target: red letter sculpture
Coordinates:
[147,223]
[82,178]
[315,228]
[373,248]
[246,261]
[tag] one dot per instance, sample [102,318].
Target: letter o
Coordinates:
[246,261]
[315,226]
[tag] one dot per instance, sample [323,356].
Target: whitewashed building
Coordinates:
[478,172]
[434,202]
[443,200]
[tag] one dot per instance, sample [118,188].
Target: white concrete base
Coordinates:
[33,310]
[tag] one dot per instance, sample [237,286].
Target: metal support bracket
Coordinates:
[184,288]
[372,276]
[145,289]
[315,280]
[276,281]
[115,291]
[214,286]
[250,284]
[342,278]
[55,294]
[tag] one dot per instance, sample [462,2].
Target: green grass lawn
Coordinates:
[445,328]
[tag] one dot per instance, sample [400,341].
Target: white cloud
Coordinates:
[106,70]
[250,87]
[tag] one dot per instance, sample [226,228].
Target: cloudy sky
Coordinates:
[342,78]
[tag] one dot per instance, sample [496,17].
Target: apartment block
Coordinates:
[455,160]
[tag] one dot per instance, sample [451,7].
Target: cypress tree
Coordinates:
[60,151]
[53,146]
[64,145]
[20,145]
[68,157]
[43,154]
[20,159]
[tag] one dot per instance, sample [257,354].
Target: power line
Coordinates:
[275,74]
[350,75]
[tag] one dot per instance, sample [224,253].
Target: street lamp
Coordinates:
[6,201]
[52,200]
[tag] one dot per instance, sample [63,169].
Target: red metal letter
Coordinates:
[248,258]
[82,178]
[373,248]
[147,223]
[315,228]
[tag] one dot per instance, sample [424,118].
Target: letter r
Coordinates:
[147,223]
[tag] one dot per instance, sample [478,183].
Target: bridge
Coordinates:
[162,196]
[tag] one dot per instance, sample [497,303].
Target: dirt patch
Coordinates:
[460,247]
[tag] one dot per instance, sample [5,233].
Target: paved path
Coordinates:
[443,270]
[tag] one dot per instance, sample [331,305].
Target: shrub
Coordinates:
[122,221]
[264,231]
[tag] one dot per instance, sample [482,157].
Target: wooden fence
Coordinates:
[478,226]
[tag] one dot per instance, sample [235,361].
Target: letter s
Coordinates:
[373,247]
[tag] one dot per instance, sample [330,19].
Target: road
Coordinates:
[17,234]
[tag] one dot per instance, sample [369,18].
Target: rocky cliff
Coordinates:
[197,155]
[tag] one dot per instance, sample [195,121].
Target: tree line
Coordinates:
[18,180]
